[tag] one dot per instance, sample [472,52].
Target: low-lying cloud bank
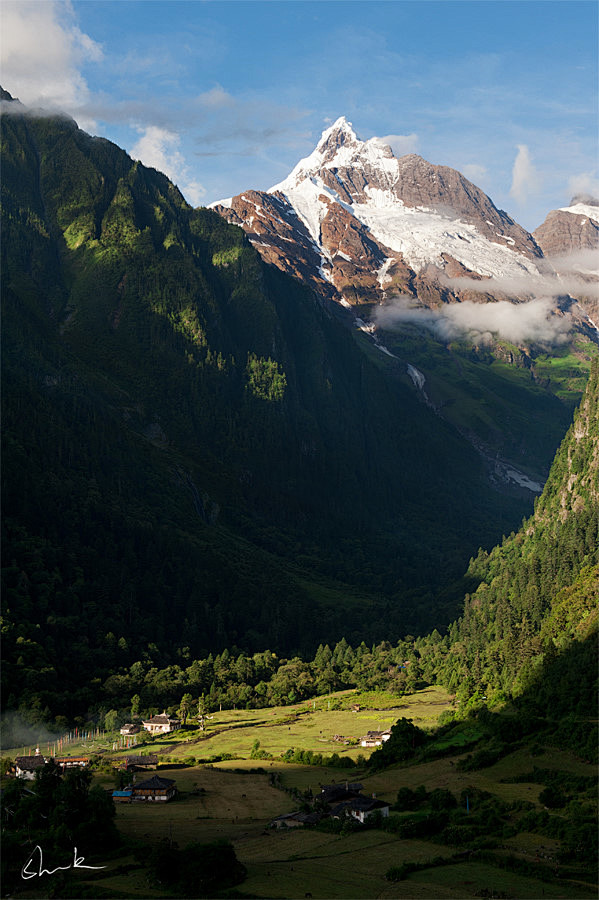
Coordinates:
[571,267]
[537,320]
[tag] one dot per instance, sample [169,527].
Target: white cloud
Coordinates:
[586,184]
[542,286]
[158,148]
[525,178]
[42,52]
[217,97]
[401,144]
[536,320]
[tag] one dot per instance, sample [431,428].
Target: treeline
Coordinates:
[237,680]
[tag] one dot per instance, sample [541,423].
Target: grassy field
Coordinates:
[311,725]
[238,804]
[237,799]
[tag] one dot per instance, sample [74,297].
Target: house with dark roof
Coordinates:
[336,801]
[148,761]
[374,738]
[296,819]
[129,728]
[161,724]
[27,766]
[335,793]
[155,789]
[361,808]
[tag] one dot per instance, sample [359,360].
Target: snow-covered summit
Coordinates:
[340,147]
[583,209]
[358,222]
[406,204]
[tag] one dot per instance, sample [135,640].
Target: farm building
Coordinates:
[161,724]
[149,761]
[361,808]
[27,766]
[335,801]
[296,820]
[155,789]
[375,738]
[71,762]
[335,793]
[129,728]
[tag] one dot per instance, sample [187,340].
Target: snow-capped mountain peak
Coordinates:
[339,148]
[582,208]
[357,221]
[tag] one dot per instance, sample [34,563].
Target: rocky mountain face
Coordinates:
[570,229]
[358,223]
[366,229]
[569,238]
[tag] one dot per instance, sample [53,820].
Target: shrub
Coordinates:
[552,797]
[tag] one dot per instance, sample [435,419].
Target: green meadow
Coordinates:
[236,798]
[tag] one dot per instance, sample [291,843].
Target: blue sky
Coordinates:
[228,95]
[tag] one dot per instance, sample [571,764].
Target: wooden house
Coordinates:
[155,789]
[149,761]
[71,762]
[335,793]
[296,820]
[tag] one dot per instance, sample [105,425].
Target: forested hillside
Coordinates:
[532,621]
[198,455]
[194,448]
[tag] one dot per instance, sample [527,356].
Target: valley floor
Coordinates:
[236,800]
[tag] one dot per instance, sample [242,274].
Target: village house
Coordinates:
[348,797]
[123,796]
[375,738]
[335,793]
[129,728]
[161,724]
[71,762]
[155,789]
[27,766]
[361,808]
[133,763]
[336,801]
[296,820]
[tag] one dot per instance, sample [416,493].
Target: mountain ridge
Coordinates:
[414,219]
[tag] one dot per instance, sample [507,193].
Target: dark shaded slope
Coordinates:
[194,449]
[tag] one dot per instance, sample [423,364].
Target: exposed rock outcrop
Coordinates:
[359,224]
